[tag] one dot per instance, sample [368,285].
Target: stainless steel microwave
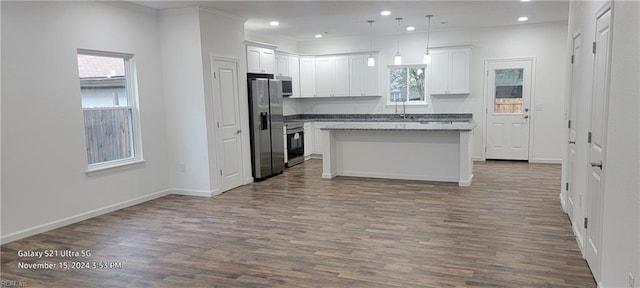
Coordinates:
[287,86]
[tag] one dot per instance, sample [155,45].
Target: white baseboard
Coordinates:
[79,217]
[190,192]
[466,183]
[328,175]
[398,176]
[478,159]
[545,161]
[563,203]
[576,232]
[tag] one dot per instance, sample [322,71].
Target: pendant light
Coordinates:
[371,61]
[427,56]
[398,59]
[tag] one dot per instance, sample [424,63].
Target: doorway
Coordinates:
[508,94]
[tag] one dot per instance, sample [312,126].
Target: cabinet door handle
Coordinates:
[594,164]
[572,142]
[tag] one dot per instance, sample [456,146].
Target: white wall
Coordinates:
[621,222]
[190,37]
[546,42]
[184,88]
[223,36]
[43,140]
[284,43]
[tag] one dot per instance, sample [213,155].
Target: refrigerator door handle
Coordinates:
[264,122]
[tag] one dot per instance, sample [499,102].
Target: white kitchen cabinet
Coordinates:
[317,138]
[294,73]
[450,71]
[308,140]
[332,76]
[260,60]
[307,76]
[282,65]
[362,78]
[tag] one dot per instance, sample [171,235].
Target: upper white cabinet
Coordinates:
[307,76]
[332,76]
[260,60]
[294,73]
[282,65]
[289,65]
[450,71]
[362,77]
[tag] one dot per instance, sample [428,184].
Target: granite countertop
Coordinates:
[429,117]
[432,126]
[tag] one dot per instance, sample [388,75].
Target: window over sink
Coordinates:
[407,83]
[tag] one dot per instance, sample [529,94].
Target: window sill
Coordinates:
[115,166]
[392,104]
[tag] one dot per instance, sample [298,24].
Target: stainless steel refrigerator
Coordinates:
[266,123]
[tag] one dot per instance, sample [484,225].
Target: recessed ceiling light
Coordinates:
[411,28]
[385,13]
[525,0]
[523,18]
[274,23]
[318,35]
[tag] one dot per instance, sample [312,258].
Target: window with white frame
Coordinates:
[109,108]
[407,83]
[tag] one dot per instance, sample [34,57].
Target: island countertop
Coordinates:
[415,126]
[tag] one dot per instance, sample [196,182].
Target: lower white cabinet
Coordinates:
[308,140]
[317,138]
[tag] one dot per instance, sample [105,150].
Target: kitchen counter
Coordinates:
[431,117]
[411,151]
[413,126]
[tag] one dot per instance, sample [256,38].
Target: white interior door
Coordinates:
[226,101]
[597,150]
[576,68]
[508,93]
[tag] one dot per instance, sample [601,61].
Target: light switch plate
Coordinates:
[539,107]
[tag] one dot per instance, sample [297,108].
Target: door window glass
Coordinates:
[508,87]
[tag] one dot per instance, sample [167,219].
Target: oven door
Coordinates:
[295,146]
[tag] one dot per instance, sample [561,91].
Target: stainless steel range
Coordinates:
[295,143]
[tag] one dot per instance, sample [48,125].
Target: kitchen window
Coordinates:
[109,98]
[407,83]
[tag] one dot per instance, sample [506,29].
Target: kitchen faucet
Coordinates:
[404,108]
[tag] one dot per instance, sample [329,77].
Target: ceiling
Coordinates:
[301,20]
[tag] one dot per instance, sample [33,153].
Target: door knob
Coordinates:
[572,142]
[239,131]
[594,164]
[526,109]
[526,116]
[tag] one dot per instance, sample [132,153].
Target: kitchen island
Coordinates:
[433,151]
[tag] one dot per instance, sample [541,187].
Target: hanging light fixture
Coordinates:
[398,59]
[427,56]
[371,61]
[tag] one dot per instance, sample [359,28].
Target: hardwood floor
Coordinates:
[298,230]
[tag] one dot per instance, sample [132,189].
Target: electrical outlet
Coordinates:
[182,168]
[632,281]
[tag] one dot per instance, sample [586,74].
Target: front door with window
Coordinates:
[508,94]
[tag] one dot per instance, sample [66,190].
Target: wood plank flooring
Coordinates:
[298,230]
